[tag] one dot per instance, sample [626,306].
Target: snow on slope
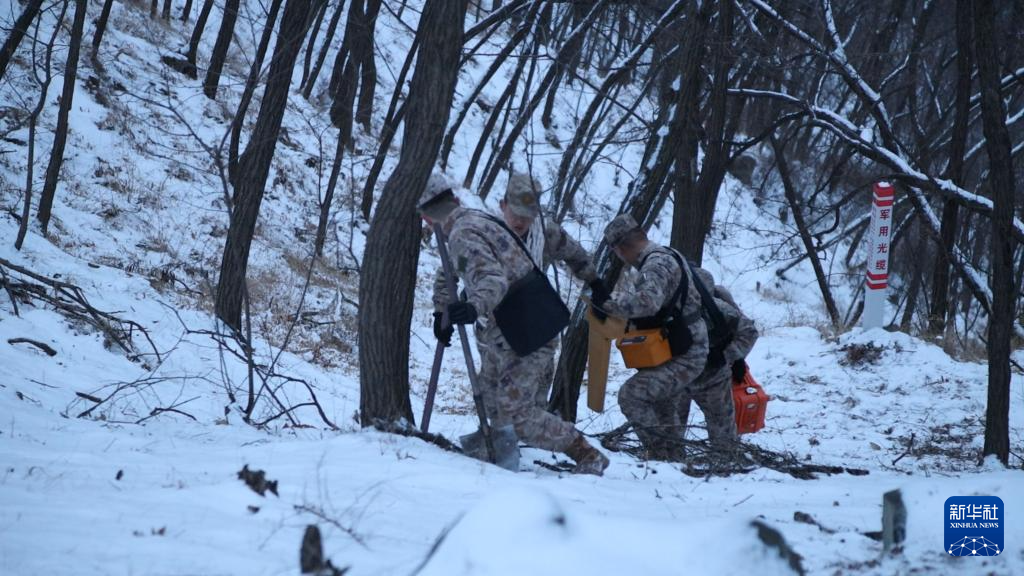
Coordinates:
[105,495]
[578,542]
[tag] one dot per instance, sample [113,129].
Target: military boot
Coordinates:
[589,460]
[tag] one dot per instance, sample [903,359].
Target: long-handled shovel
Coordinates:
[498,446]
[435,373]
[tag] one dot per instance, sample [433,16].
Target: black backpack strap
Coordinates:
[519,241]
[707,300]
[714,312]
[682,289]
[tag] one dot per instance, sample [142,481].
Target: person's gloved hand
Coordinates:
[739,370]
[716,359]
[441,332]
[599,294]
[461,313]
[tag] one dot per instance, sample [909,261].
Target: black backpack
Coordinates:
[721,330]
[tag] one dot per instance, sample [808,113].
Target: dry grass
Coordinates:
[857,355]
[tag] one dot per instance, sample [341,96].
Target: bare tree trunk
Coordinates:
[955,171]
[21,25]
[564,192]
[367,66]
[250,89]
[913,293]
[310,82]
[154,8]
[1001,320]
[586,161]
[917,274]
[33,120]
[691,207]
[358,55]
[566,53]
[318,22]
[186,11]
[328,200]
[220,49]
[345,75]
[492,119]
[499,156]
[388,277]
[197,34]
[166,15]
[392,120]
[61,135]
[497,62]
[254,164]
[796,208]
[355,10]
[29,172]
[549,102]
[101,27]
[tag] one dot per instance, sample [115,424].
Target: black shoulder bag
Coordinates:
[532,312]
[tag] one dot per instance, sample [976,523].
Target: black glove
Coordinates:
[598,296]
[441,332]
[598,293]
[739,370]
[716,358]
[461,313]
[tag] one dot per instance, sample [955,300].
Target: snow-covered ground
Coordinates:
[124,490]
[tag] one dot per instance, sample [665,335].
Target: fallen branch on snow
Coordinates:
[319,513]
[69,300]
[702,460]
[413,432]
[42,346]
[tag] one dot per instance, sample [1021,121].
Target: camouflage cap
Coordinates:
[617,229]
[437,185]
[522,195]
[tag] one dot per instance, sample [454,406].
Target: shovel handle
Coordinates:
[435,373]
[478,400]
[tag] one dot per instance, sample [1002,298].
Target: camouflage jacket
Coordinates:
[654,286]
[486,250]
[559,246]
[746,332]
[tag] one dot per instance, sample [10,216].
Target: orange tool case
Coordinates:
[750,401]
[644,348]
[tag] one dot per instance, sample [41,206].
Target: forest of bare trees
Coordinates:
[819,99]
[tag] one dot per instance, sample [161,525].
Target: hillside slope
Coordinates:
[127,462]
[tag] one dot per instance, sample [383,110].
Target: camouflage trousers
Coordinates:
[713,394]
[515,391]
[650,400]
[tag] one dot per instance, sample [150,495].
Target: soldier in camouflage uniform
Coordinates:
[713,388]
[488,260]
[548,242]
[649,399]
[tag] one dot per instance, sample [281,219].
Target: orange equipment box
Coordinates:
[644,348]
[750,401]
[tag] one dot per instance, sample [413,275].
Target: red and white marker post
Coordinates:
[877,280]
